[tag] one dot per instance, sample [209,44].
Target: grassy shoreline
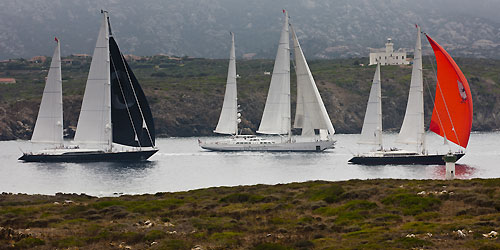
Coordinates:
[354,214]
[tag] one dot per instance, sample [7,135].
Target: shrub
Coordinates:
[154,235]
[330,193]
[29,242]
[412,204]
[270,246]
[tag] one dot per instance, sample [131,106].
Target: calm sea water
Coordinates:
[182,165]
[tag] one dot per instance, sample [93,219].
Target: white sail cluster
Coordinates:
[276,118]
[371,133]
[49,123]
[94,123]
[228,120]
[311,114]
[413,130]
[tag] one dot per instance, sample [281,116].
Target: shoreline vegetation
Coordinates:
[186,94]
[354,214]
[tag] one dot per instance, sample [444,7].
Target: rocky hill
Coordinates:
[186,95]
[327,29]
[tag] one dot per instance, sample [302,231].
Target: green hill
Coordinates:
[186,94]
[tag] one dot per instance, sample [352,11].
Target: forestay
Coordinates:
[276,118]
[311,113]
[371,133]
[228,120]
[49,123]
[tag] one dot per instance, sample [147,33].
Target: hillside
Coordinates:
[355,214]
[326,28]
[186,94]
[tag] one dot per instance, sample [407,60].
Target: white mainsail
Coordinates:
[94,123]
[228,120]
[371,133]
[413,131]
[49,123]
[276,118]
[311,112]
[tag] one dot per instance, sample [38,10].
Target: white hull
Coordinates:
[317,146]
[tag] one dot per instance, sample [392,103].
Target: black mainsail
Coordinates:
[132,121]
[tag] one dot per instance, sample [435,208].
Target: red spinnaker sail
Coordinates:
[452,114]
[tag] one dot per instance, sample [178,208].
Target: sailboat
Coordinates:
[451,116]
[311,116]
[115,122]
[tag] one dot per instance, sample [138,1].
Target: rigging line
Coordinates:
[445,105]
[434,104]
[126,104]
[137,100]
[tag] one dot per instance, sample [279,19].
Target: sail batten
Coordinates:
[276,118]
[310,113]
[49,123]
[413,130]
[371,133]
[228,120]
[452,113]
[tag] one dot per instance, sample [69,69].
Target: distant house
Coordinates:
[81,55]
[388,57]
[7,80]
[134,58]
[249,56]
[67,61]
[38,59]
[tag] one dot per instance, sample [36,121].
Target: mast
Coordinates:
[276,118]
[228,119]
[413,130]
[310,113]
[371,133]
[94,123]
[49,123]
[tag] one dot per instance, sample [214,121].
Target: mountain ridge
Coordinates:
[327,29]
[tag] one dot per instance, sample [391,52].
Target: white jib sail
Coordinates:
[311,112]
[94,123]
[228,120]
[371,133]
[276,117]
[49,123]
[412,130]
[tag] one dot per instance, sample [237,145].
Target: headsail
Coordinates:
[452,114]
[413,131]
[371,133]
[228,120]
[311,112]
[94,123]
[276,117]
[132,121]
[49,123]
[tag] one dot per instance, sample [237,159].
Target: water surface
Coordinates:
[182,165]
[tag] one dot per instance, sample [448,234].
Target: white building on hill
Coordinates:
[389,57]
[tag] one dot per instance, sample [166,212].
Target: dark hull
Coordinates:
[402,160]
[90,156]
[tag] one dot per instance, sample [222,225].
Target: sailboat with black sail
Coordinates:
[451,116]
[311,116]
[115,122]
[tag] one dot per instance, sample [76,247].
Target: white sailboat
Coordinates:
[115,122]
[447,114]
[311,115]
